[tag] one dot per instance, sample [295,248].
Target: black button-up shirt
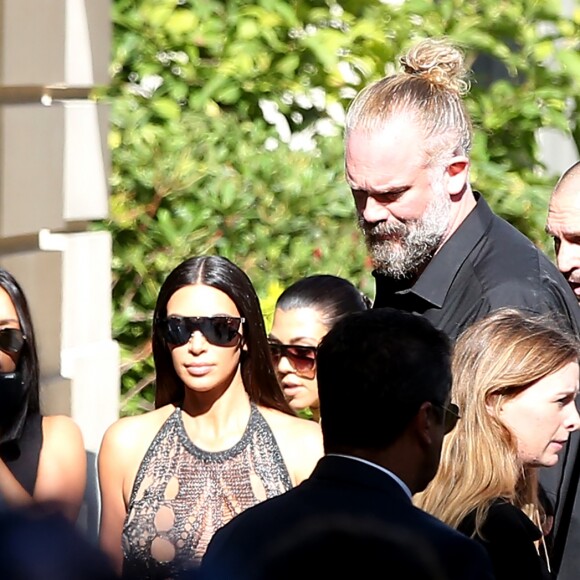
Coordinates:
[486,264]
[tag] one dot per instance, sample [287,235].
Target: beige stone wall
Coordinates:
[54,166]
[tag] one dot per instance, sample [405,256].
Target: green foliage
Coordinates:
[226,120]
[223,194]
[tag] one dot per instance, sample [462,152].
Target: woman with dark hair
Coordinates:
[222,437]
[41,458]
[304,313]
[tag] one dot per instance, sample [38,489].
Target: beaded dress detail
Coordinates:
[182,494]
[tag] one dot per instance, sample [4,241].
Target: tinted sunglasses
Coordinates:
[11,340]
[301,358]
[450,417]
[217,330]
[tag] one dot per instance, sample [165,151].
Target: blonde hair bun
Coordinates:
[439,62]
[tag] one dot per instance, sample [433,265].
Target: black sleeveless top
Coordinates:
[23,454]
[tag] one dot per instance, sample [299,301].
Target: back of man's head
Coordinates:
[375,370]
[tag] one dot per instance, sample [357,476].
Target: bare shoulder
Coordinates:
[123,448]
[60,428]
[62,442]
[300,442]
[291,425]
[132,433]
[61,476]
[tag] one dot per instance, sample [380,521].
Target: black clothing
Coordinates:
[23,454]
[341,487]
[39,543]
[15,406]
[508,535]
[485,265]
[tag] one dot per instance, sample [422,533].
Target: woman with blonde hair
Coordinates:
[515,382]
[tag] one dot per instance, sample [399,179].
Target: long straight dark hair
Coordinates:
[28,360]
[258,373]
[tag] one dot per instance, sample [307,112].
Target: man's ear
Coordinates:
[457,174]
[425,423]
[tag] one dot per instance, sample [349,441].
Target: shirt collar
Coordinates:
[434,282]
[403,485]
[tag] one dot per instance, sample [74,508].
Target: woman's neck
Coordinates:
[215,418]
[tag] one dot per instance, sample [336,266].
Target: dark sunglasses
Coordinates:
[450,417]
[11,340]
[218,330]
[301,358]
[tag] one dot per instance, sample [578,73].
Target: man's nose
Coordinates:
[373,211]
[568,257]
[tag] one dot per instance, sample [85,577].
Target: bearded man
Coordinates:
[438,249]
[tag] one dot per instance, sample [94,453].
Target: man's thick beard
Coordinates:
[410,245]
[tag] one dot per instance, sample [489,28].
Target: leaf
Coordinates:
[166,108]
[196,169]
[570,60]
[182,22]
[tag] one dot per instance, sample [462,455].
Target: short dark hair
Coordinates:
[258,373]
[332,296]
[28,359]
[375,369]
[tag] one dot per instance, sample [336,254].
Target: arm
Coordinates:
[61,476]
[62,468]
[10,489]
[111,482]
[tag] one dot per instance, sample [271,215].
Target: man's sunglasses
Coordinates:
[450,417]
[217,330]
[301,358]
[11,340]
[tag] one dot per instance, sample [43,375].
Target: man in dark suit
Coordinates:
[384,381]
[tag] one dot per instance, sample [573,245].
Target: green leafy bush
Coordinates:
[226,133]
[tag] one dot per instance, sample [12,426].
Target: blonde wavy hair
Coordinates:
[494,360]
[430,89]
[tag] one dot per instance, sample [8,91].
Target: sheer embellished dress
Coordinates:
[182,494]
